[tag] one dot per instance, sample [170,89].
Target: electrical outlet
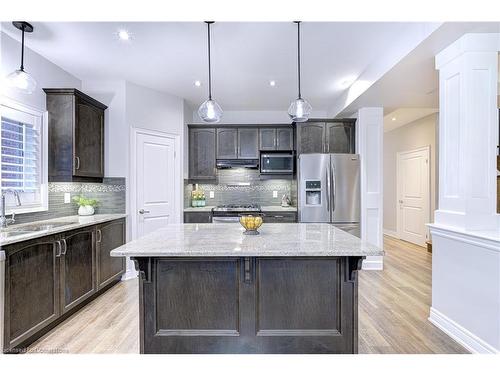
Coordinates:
[67,198]
[275,193]
[212,194]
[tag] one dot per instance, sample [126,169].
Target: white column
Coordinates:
[466,231]
[468,132]
[370,130]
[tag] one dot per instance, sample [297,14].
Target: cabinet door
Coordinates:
[227,143]
[31,288]
[197,217]
[340,138]
[109,236]
[310,137]
[267,139]
[248,143]
[284,139]
[202,154]
[88,140]
[77,267]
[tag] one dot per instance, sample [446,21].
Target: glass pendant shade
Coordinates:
[210,111]
[22,81]
[299,110]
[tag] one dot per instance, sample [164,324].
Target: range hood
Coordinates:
[237,163]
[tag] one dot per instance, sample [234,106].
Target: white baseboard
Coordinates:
[391,233]
[461,335]
[372,265]
[130,274]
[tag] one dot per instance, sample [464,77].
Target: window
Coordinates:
[23,156]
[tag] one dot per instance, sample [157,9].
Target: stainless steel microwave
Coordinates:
[276,163]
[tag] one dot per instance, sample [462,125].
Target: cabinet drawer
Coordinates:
[198,217]
[280,217]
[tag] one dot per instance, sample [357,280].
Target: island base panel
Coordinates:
[248,305]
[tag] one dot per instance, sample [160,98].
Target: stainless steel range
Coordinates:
[228,213]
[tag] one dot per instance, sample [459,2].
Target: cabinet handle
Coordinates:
[99,236]
[57,248]
[65,247]
[77,162]
[248,274]
[278,216]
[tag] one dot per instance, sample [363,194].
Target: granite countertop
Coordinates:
[70,222]
[198,209]
[278,209]
[207,240]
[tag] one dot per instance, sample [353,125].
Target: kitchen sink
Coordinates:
[12,233]
[30,228]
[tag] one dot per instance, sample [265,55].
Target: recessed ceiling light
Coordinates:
[197,83]
[393,119]
[272,83]
[123,35]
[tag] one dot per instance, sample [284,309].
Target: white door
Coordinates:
[413,179]
[155,182]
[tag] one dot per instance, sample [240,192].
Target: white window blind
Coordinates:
[22,158]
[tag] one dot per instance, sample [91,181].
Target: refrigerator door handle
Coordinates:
[327,173]
[334,186]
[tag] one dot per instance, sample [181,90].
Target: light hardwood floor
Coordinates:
[393,310]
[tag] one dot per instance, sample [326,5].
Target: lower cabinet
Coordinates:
[198,217]
[47,278]
[31,288]
[77,267]
[109,237]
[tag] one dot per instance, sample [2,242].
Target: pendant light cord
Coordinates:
[209,66]
[298,53]
[22,50]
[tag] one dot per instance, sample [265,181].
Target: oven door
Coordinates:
[276,163]
[225,219]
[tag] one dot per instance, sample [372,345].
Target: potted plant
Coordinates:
[85,205]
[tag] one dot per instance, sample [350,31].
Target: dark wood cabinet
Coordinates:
[280,217]
[276,139]
[202,143]
[109,236]
[310,137]
[197,217]
[48,278]
[227,143]
[326,136]
[237,143]
[248,143]
[31,288]
[77,267]
[76,136]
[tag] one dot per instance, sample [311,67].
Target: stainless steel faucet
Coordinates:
[3,220]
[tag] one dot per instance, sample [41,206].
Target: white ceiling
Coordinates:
[403,116]
[246,56]
[413,82]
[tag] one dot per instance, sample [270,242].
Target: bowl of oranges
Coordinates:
[251,222]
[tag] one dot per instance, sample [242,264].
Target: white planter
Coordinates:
[85,210]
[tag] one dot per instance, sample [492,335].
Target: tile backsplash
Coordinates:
[111,195]
[229,189]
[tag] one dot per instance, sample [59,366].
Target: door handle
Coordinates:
[77,162]
[99,236]
[57,247]
[334,187]
[401,201]
[327,173]
[65,247]
[248,273]
[142,211]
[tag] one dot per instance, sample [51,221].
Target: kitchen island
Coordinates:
[207,288]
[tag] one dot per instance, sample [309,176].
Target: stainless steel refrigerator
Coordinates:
[329,190]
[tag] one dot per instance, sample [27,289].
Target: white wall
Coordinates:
[255,117]
[45,73]
[417,134]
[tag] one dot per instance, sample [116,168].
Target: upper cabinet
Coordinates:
[202,153]
[276,139]
[335,136]
[76,136]
[237,143]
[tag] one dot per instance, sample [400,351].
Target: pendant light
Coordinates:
[210,111]
[299,109]
[19,79]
